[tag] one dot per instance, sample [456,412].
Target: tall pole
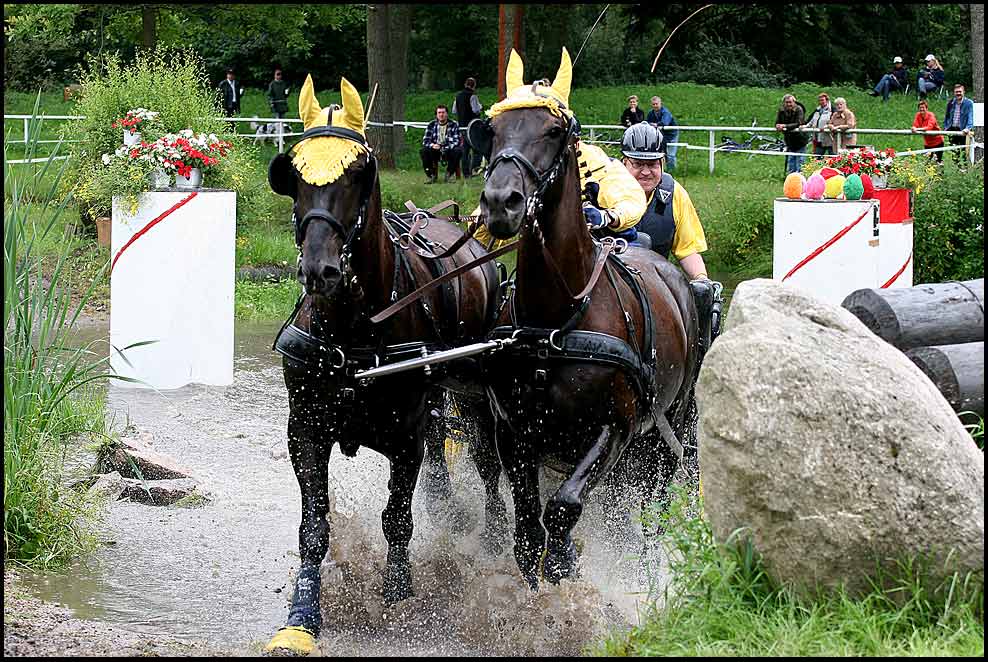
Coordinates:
[502,61]
[510,25]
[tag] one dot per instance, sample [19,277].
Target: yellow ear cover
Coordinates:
[309,110]
[514,76]
[564,77]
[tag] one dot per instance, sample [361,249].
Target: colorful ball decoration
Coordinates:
[829,172]
[834,187]
[793,186]
[853,188]
[815,187]
[869,187]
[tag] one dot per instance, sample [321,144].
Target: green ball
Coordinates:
[853,187]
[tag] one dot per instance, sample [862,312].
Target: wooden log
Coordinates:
[925,315]
[958,371]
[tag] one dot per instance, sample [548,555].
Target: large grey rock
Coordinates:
[831,446]
[134,457]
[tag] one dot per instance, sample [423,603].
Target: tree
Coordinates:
[387,67]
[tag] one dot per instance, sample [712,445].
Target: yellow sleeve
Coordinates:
[484,237]
[689,237]
[619,190]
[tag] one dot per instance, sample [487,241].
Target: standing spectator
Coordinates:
[632,114]
[467,107]
[959,117]
[930,77]
[823,142]
[232,92]
[893,80]
[277,94]
[927,121]
[790,117]
[842,120]
[441,143]
[660,117]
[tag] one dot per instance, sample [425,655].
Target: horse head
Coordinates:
[529,138]
[330,174]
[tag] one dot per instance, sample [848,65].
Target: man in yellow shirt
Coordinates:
[670,221]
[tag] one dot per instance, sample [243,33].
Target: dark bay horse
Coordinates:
[592,381]
[353,265]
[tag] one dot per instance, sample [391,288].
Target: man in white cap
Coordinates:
[892,81]
[930,77]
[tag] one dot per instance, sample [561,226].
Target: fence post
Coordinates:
[591,134]
[969,147]
[711,152]
[837,135]
[25,132]
[281,137]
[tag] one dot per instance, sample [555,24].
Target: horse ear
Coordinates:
[514,77]
[309,109]
[352,115]
[480,136]
[281,176]
[564,77]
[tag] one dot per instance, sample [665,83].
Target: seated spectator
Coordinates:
[959,117]
[893,81]
[441,143]
[660,117]
[930,77]
[632,114]
[823,142]
[790,117]
[927,121]
[842,121]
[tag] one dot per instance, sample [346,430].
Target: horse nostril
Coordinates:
[330,273]
[514,202]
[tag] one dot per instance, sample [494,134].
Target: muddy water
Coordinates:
[224,573]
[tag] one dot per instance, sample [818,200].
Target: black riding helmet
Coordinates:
[642,141]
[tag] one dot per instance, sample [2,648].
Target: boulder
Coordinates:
[133,457]
[831,448]
[160,492]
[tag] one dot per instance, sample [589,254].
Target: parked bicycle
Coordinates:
[755,141]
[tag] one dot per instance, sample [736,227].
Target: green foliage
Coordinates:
[728,65]
[265,301]
[948,241]
[171,83]
[721,601]
[48,385]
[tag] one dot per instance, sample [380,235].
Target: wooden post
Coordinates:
[924,315]
[958,372]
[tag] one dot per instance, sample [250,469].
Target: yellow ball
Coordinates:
[834,187]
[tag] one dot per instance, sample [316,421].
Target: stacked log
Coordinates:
[940,327]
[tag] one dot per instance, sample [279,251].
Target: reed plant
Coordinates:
[51,388]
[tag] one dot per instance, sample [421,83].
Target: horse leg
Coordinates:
[396,520]
[484,456]
[438,486]
[565,506]
[310,459]
[519,461]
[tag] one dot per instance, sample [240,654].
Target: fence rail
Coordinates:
[712,147]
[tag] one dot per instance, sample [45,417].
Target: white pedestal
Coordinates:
[827,247]
[173,284]
[895,255]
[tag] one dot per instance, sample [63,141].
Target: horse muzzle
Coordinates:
[320,277]
[504,209]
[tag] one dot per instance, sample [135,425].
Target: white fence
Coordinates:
[595,133]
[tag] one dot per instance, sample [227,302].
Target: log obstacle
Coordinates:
[949,313]
[958,371]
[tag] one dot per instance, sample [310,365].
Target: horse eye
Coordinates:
[555,132]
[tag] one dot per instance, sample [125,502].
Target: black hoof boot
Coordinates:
[560,561]
[397,579]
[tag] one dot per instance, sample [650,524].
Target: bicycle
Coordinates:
[756,141]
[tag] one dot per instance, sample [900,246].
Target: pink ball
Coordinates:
[815,187]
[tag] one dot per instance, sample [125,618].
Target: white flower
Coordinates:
[106,159]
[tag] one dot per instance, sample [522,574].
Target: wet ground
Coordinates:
[220,576]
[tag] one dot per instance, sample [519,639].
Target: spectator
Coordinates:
[467,107]
[277,94]
[823,142]
[441,143]
[959,117]
[632,114]
[232,92]
[892,81]
[927,121]
[842,120]
[660,117]
[930,77]
[790,117]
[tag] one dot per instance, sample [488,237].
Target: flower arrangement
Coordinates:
[172,152]
[863,161]
[133,119]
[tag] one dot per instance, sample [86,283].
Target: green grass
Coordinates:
[721,602]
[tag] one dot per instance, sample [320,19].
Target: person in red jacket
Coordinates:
[927,121]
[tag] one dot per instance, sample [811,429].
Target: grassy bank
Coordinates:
[722,603]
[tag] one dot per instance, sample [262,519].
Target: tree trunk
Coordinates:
[978,65]
[511,34]
[149,19]
[387,67]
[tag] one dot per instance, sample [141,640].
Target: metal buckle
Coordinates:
[347,395]
[552,342]
[342,356]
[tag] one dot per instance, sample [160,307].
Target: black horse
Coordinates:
[353,264]
[589,380]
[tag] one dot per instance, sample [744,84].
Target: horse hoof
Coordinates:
[291,641]
[559,565]
[397,588]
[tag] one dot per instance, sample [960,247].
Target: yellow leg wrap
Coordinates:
[295,639]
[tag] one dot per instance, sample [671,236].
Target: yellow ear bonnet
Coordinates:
[322,160]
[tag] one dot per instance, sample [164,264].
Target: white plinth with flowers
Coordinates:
[171,282]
